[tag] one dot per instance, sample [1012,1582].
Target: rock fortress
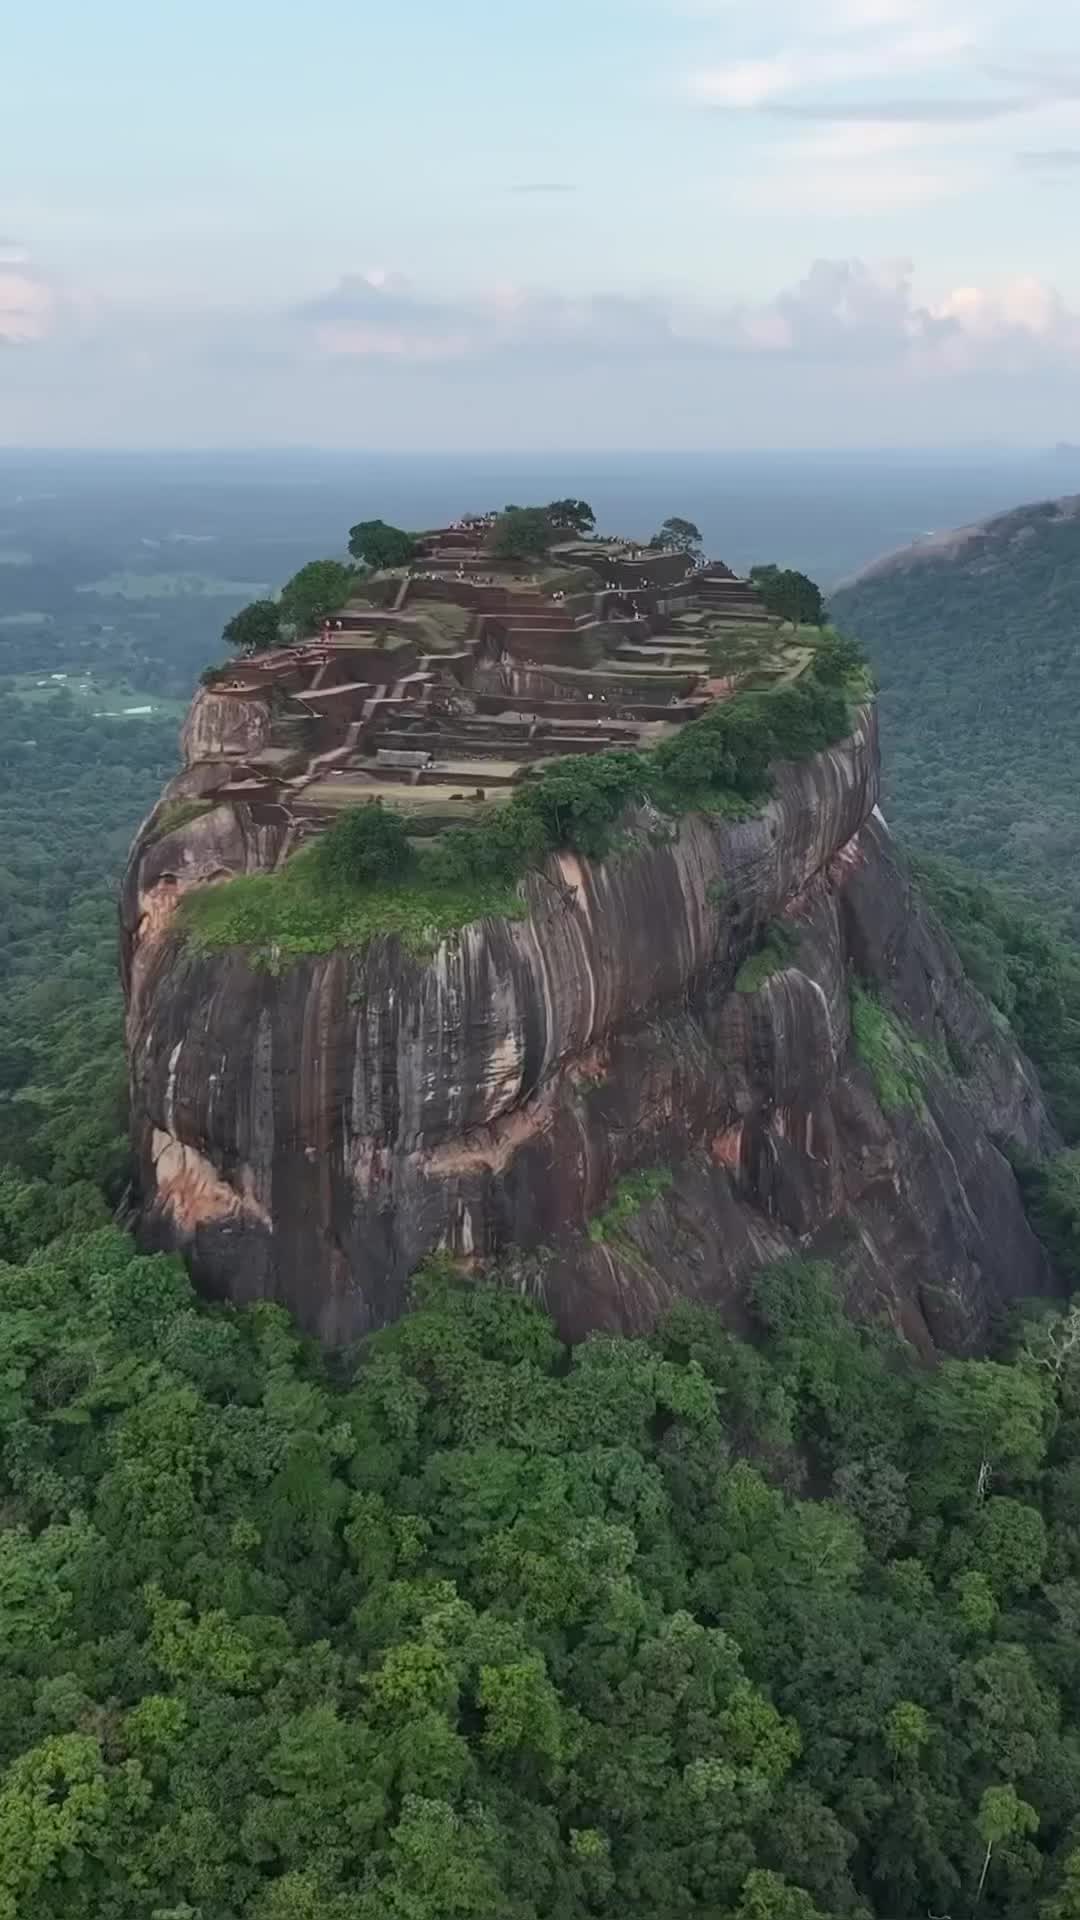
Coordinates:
[729,1034]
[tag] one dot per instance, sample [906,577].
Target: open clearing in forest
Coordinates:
[104,698]
[173,586]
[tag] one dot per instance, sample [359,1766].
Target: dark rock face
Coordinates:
[309,1135]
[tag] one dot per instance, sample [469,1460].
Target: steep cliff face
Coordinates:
[309,1134]
[216,727]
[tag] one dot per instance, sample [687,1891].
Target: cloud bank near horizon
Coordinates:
[842,310]
[853,353]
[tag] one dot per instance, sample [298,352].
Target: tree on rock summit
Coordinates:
[318,590]
[379,545]
[790,595]
[521,533]
[572,516]
[679,533]
[256,628]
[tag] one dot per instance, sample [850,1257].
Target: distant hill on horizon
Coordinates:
[975,637]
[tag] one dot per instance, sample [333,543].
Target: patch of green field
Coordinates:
[173,586]
[102,697]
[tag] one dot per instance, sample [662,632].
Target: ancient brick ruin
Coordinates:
[452,679]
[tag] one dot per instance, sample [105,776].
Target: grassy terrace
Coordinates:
[300,910]
[342,892]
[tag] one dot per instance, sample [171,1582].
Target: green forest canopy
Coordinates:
[476,1626]
[978,666]
[465,1624]
[72,787]
[468,1624]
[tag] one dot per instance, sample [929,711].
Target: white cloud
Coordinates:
[877,106]
[1021,322]
[27,301]
[937,65]
[844,313]
[842,310]
[843,16]
[752,83]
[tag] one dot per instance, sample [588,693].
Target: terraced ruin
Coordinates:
[599,941]
[457,677]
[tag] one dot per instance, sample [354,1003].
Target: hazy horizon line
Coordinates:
[906,450]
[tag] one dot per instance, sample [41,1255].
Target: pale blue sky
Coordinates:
[613,222]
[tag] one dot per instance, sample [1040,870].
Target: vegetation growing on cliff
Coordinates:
[631,1194]
[474,1626]
[897,1062]
[777,949]
[719,763]
[176,814]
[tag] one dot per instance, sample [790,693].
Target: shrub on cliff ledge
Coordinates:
[731,747]
[777,950]
[897,1061]
[368,846]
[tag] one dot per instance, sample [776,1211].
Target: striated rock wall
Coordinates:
[309,1134]
[218,726]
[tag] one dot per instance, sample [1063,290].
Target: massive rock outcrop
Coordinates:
[308,1132]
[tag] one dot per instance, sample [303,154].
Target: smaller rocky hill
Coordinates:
[975,639]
